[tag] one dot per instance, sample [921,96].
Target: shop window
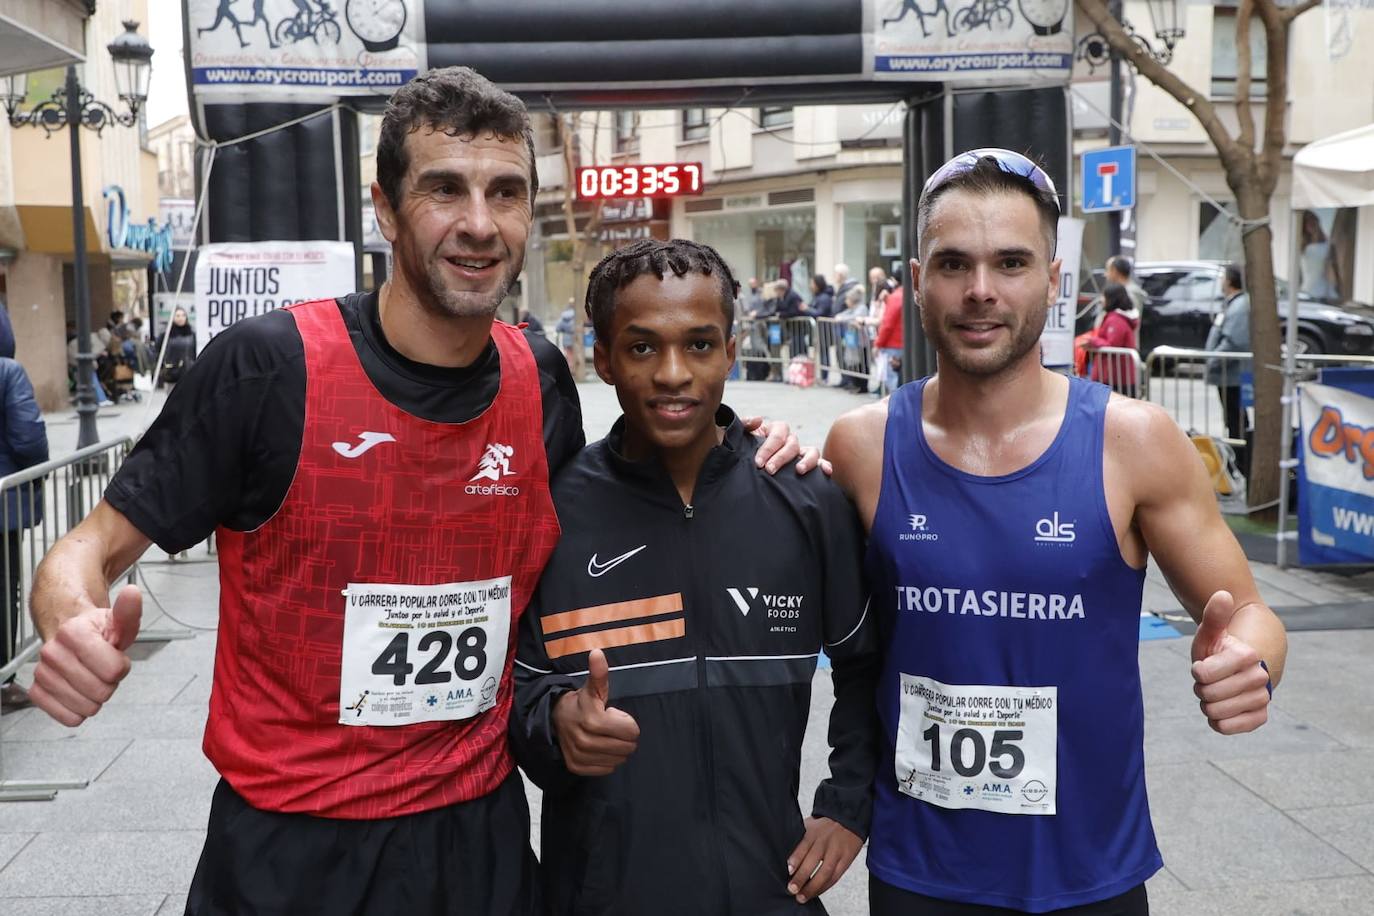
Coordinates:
[1326,262]
[626,131]
[695,126]
[1218,235]
[775,117]
[1224,58]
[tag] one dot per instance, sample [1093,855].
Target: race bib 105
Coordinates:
[972,746]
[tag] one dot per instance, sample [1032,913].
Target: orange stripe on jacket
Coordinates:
[619,636]
[610,613]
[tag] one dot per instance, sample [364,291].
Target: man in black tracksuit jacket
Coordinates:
[710,612]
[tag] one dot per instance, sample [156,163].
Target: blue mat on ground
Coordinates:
[1152,627]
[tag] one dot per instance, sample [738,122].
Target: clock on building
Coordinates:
[377,23]
[1045,16]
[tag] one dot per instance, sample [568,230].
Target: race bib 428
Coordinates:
[423,653]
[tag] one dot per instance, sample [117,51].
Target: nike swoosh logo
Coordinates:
[369,440]
[596,570]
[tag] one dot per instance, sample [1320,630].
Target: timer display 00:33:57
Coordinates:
[671,180]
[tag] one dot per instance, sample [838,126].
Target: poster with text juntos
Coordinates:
[238,280]
[310,49]
[969,41]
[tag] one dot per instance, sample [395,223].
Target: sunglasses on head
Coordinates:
[1007,161]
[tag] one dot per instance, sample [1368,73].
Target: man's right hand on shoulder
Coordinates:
[594,739]
[83,661]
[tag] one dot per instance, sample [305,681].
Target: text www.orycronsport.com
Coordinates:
[300,76]
[942,63]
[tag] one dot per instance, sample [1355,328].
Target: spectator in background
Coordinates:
[853,335]
[878,290]
[1120,321]
[180,351]
[752,299]
[569,330]
[1231,334]
[1119,269]
[529,319]
[822,297]
[890,339]
[843,284]
[23,444]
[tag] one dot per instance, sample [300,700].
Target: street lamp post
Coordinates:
[73,107]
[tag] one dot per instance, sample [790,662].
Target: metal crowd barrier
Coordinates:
[1121,369]
[845,348]
[40,505]
[1186,383]
[764,346]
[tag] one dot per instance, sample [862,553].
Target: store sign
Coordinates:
[871,122]
[319,49]
[180,214]
[627,211]
[1056,341]
[238,280]
[969,41]
[625,233]
[149,237]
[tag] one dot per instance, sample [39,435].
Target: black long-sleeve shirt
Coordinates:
[711,617]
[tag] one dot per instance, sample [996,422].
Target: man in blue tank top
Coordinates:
[1011,512]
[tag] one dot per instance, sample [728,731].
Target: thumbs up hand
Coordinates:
[1228,678]
[594,739]
[82,663]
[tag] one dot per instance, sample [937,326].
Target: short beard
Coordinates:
[447,303]
[987,362]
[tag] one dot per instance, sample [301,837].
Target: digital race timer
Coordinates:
[672,180]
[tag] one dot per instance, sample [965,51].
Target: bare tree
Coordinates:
[570,125]
[1253,162]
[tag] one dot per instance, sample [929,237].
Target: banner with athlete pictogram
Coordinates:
[304,48]
[969,41]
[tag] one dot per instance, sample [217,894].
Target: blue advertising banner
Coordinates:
[1336,476]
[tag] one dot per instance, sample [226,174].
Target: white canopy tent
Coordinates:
[1335,172]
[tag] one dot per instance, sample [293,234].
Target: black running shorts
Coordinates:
[887,900]
[468,859]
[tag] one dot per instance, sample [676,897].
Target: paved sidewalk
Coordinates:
[1279,822]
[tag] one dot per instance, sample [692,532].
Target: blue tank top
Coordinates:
[1013,772]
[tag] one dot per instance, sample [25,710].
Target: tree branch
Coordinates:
[1276,105]
[1196,102]
[1244,67]
[1293,12]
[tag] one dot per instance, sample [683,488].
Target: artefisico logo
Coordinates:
[918,532]
[495,464]
[1053,531]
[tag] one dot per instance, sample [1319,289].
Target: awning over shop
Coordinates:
[48,230]
[26,46]
[1336,172]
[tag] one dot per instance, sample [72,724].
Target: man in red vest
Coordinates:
[376,470]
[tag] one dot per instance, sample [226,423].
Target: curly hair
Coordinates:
[678,256]
[458,101]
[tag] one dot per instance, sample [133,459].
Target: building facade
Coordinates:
[36,245]
[1330,90]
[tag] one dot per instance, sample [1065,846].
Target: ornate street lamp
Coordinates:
[73,107]
[1166,17]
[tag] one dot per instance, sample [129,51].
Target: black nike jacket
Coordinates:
[711,617]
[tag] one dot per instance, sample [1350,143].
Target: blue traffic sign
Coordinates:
[1109,179]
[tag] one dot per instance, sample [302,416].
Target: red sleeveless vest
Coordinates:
[381,498]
